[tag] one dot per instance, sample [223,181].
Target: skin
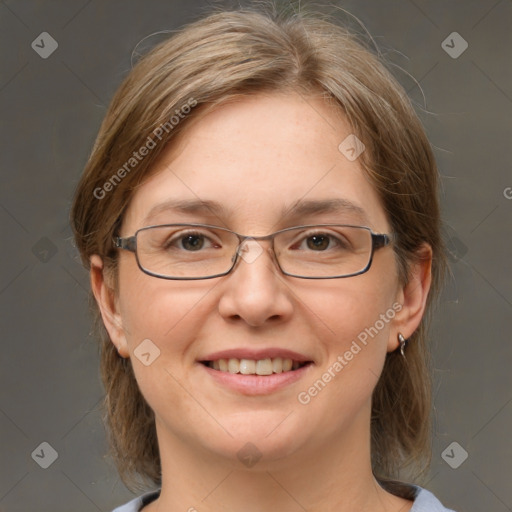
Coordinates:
[257,156]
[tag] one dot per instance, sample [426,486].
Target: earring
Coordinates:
[402,341]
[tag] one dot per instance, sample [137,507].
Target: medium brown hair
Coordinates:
[239,53]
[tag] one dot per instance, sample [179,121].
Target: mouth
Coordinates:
[254,372]
[261,367]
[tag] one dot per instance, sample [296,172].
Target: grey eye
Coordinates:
[192,242]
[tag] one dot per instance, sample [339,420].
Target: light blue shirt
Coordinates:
[424,501]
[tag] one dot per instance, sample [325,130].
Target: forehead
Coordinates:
[256,164]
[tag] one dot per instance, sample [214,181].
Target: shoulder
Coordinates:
[425,501]
[136,504]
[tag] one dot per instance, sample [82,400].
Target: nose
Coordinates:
[255,291]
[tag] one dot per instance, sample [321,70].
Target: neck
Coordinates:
[334,476]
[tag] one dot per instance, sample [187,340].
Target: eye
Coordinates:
[319,242]
[190,242]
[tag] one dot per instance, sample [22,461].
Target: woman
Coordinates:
[260,220]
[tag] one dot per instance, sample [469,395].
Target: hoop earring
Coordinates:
[402,341]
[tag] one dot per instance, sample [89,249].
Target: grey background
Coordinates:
[51,110]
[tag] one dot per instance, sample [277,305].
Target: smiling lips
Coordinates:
[253,372]
[252,362]
[266,366]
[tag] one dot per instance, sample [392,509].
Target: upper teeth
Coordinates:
[251,367]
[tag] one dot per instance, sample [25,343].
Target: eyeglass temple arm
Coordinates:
[129,243]
[380,240]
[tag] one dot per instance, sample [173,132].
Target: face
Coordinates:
[257,158]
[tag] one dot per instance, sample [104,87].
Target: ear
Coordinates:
[106,299]
[413,297]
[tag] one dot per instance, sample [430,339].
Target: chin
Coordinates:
[261,438]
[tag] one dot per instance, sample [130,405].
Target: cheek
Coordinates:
[162,318]
[151,307]
[339,393]
[356,316]
[358,342]
[348,309]
[170,314]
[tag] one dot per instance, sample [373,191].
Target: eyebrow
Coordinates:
[301,208]
[194,206]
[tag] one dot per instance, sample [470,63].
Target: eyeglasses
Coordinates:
[201,251]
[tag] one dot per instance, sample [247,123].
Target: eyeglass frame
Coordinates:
[129,243]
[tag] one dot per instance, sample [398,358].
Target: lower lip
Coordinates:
[257,384]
